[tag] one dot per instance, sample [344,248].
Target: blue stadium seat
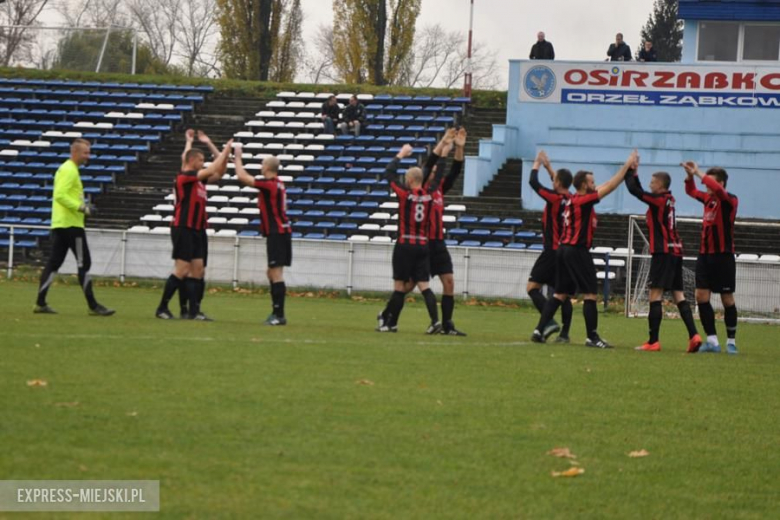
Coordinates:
[516,245]
[470,243]
[493,244]
[536,247]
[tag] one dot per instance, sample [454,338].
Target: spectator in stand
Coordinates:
[619,51]
[330,114]
[647,53]
[542,49]
[353,117]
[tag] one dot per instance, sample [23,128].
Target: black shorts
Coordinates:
[576,273]
[278,247]
[69,239]
[716,272]
[411,263]
[441,261]
[189,244]
[543,271]
[666,272]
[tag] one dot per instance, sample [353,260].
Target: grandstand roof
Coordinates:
[742,10]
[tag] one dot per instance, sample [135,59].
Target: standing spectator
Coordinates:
[354,116]
[68,211]
[648,53]
[619,51]
[542,49]
[330,115]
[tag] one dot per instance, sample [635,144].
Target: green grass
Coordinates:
[241,421]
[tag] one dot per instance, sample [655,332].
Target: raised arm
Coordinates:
[457,162]
[214,171]
[203,138]
[612,184]
[690,184]
[391,170]
[243,176]
[189,137]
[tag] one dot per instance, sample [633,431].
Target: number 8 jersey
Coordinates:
[414,208]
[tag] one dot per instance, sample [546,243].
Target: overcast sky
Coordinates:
[579,29]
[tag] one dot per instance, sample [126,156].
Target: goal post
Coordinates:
[758,273]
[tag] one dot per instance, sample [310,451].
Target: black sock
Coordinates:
[707,317]
[538,298]
[394,308]
[654,319]
[591,314]
[172,284]
[193,294]
[566,315]
[430,302]
[687,316]
[550,308]
[183,298]
[86,285]
[447,308]
[278,292]
[730,317]
[201,289]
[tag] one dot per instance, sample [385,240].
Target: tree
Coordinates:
[157,20]
[195,29]
[319,59]
[288,50]
[373,38]
[665,30]
[80,50]
[250,31]
[17,42]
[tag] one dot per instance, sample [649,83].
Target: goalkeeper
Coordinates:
[67,230]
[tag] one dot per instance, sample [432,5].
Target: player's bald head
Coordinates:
[271,165]
[414,177]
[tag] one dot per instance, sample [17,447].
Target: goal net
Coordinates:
[758,269]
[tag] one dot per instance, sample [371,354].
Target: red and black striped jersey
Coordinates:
[552,218]
[579,219]
[720,212]
[661,217]
[414,206]
[189,202]
[436,228]
[272,201]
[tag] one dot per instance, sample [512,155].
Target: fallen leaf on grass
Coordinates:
[571,472]
[82,467]
[132,414]
[365,382]
[563,453]
[37,382]
[67,405]
[637,454]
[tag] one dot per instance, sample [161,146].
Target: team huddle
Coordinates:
[569,221]
[568,224]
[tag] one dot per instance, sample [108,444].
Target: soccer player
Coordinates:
[275,226]
[543,271]
[68,210]
[576,272]
[666,273]
[411,256]
[716,270]
[188,230]
[190,136]
[440,259]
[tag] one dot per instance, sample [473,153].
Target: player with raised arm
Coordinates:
[440,259]
[716,269]
[411,256]
[275,227]
[544,269]
[188,229]
[576,272]
[666,270]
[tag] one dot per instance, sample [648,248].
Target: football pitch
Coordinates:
[325,418]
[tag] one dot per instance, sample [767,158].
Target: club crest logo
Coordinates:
[539,82]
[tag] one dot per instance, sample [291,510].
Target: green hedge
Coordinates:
[256,89]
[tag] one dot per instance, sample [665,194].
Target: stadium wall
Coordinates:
[590,115]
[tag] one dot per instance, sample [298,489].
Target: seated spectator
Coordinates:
[353,117]
[648,53]
[619,51]
[330,115]
[542,49]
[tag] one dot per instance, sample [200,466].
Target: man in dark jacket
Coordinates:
[619,51]
[354,116]
[648,53]
[542,49]
[330,115]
